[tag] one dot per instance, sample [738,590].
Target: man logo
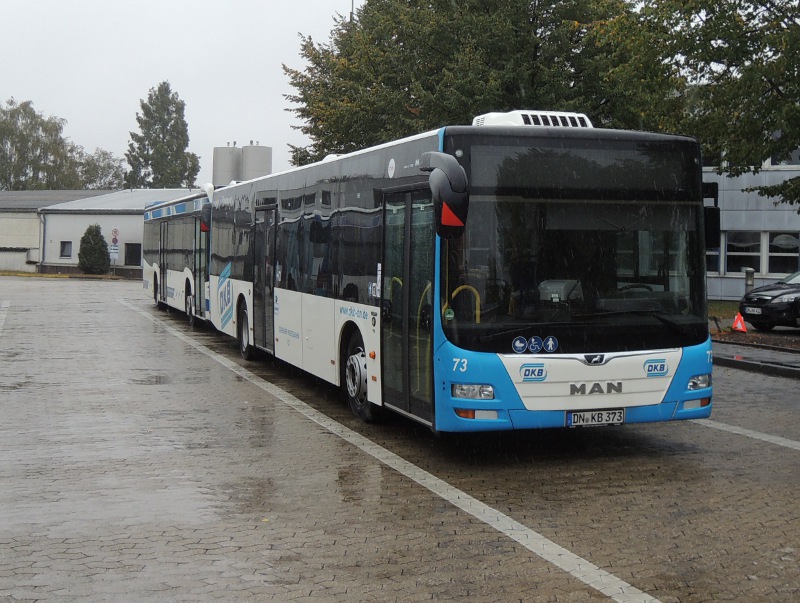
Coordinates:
[533,372]
[594,358]
[590,389]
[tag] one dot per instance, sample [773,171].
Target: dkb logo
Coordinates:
[656,368]
[533,372]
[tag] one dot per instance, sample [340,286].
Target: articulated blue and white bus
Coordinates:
[528,271]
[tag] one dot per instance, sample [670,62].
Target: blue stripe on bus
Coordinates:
[172,210]
[226,318]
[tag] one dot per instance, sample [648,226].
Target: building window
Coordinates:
[712,158]
[783,252]
[793,159]
[712,261]
[713,253]
[743,250]
[66,249]
[133,254]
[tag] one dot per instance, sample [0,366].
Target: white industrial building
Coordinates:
[756,232]
[20,225]
[40,231]
[120,216]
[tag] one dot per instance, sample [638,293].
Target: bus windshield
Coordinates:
[576,272]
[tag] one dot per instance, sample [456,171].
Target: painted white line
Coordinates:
[756,435]
[578,567]
[3,313]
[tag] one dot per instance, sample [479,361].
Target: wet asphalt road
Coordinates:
[143,460]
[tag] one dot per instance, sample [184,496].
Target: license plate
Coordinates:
[749,310]
[610,416]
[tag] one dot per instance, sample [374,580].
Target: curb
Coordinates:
[764,368]
[755,346]
[88,277]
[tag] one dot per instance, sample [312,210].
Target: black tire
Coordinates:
[762,326]
[156,301]
[243,334]
[354,384]
[190,315]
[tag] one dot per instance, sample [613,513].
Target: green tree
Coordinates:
[93,256]
[34,154]
[102,170]
[157,155]
[405,66]
[739,63]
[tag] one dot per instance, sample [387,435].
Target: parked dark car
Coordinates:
[775,305]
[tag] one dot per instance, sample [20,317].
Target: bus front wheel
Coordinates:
[355,380]
[243,331]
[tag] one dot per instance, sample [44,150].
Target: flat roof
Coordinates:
[33,200]
[128,201]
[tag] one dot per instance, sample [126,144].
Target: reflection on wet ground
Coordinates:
[136,467]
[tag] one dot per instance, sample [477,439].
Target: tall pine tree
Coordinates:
[157,155]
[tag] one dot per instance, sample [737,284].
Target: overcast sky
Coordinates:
[91,62]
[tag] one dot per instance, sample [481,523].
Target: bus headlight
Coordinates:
[472,392]
[699,382]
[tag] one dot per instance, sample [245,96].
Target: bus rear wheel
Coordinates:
[190,315]
[355,380]
[156,301]
[243,332]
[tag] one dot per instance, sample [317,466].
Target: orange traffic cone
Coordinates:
[738,323]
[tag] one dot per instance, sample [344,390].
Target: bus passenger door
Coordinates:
[407,293]
[263,276]
[200,269]
[163,245]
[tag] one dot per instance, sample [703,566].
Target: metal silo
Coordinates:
[256,161]
[227,165]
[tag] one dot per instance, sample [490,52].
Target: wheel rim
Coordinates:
[190,307]
[244,337]
[356,376]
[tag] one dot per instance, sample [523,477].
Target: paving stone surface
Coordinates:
[134,467]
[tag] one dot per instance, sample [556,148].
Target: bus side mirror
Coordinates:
[205,217]
[448,183]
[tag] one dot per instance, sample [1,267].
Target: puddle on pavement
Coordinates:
[152,380]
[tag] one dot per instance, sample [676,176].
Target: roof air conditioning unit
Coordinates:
[547,119]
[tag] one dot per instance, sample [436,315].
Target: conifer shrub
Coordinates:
[93,256]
